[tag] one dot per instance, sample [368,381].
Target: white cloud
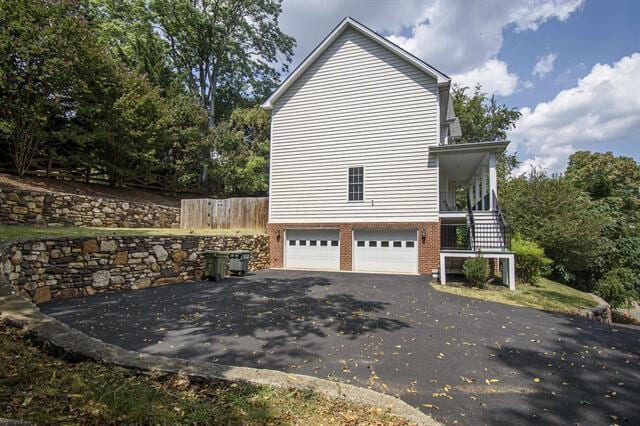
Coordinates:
[528,84]
[461,36]
[544,65]
[494,77]
[455,37]
[601,110]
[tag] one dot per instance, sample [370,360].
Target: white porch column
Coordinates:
[509,271]
[443,272]
[477,184]
[484,189]
[493,179]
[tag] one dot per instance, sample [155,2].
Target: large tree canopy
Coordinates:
[216,43]
[46,50]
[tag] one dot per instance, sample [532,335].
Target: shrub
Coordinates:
[476,270]
[530,260]
[619,287]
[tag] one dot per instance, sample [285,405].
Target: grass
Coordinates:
[40,388]
[8,232]
[548,295]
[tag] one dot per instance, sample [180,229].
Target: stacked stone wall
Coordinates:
[56,209]
[60,268]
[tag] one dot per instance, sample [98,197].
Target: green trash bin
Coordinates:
[215,262]
[239,262]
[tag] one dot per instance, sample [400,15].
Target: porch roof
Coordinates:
[489,146]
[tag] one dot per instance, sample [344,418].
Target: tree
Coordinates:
[613,183]
[235,42]
[124,124]
[126,29]
[482,119]
[559,217]
[604,175]
[44,54]
[240,164]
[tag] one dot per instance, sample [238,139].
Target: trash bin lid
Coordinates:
[216,253]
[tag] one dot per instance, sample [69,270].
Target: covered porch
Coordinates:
[468,176]
[471,221]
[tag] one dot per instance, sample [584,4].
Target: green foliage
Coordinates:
[476,271]
[126,29]
[530,260]
[224,44]
[620,287]
[46,51]
[604,175]
[560,218]
[127,90]
[482,120]
[241,161]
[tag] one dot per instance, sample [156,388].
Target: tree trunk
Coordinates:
[213,81]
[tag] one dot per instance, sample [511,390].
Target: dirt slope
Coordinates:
[31,183]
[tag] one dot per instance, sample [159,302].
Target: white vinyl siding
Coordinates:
[358,105]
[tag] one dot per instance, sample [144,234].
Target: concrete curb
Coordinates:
[76,345]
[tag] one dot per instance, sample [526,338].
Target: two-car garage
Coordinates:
[388,250]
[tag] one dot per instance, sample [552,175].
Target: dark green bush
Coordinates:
[619,287]
[476,270]
[530,260]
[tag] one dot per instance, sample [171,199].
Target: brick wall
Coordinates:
[61,268]
[56,209]
[428,250]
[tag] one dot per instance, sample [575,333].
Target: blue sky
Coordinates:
[584,93]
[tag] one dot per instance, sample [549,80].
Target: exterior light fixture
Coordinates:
[424,235]
[278,235]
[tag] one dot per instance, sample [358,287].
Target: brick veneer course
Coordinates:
[428,251]
[56,209]
[60,268]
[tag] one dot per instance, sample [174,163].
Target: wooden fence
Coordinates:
[230,213]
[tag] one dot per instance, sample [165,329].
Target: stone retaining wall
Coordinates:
[55,209]
[60,268]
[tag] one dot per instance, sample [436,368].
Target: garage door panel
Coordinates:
[386,251]
[313,249]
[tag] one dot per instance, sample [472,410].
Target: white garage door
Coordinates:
[386,251]
[312,249]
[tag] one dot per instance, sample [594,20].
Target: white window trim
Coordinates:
[364,170]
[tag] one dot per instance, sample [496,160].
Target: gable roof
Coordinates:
[348,22]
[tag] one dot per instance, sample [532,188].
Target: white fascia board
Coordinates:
[442,79]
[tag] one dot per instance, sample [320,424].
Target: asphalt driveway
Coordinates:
[461,360]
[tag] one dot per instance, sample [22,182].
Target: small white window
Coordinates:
[356,183]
